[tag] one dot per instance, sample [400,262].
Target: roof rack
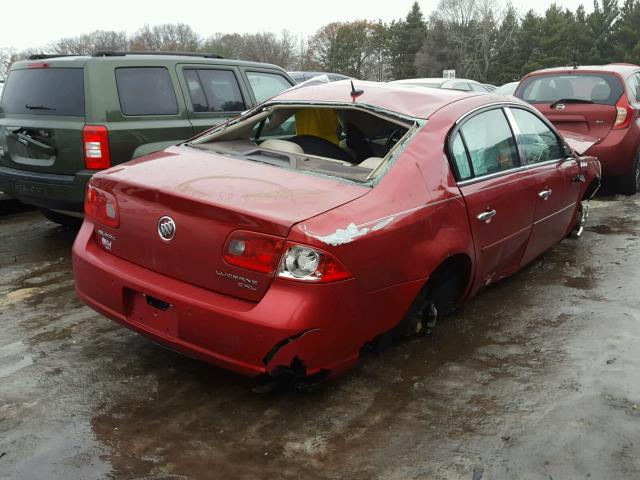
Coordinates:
[118,53]
[44,56]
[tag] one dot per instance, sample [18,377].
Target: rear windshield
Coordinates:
[594,88]
[44,91]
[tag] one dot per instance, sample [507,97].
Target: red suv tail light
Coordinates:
[101,206]
[625,113]
[253,251]
[95,141]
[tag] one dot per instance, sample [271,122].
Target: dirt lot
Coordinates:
[536,378]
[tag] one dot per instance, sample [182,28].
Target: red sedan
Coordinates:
[324,220]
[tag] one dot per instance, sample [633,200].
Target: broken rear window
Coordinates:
[341,141]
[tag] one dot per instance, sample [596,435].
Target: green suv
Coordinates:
[62,118]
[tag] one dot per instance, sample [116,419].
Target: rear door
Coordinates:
[557,188]
[497,191]
[213,94]
[148,115]
[42,115]
[578,102]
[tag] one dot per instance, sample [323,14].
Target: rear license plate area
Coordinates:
[151,312]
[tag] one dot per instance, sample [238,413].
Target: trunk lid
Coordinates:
[208,196]
[42,115]
[594,120]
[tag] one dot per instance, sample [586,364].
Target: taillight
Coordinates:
[95,140]
[101,206]
[306,264]
[253,251]
[38,65]
[624,113]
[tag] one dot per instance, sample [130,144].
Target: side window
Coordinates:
[490,143]
[196,92]
[146,91]
[634,87]
[214,90]
[477,88]
[460,158]
[266,85]
[536,139]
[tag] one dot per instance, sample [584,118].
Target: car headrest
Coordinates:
[282,146]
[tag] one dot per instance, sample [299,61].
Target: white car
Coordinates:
[449,83]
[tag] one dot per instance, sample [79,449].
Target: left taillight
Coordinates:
[624,113]
[253,251]
[95,141]
[101,206]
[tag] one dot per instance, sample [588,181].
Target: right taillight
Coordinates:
[624,114]
[307,264]
[101,206]
[95,142]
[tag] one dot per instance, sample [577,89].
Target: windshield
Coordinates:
[44,91]
[590,88]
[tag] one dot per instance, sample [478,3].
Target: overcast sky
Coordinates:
[35,23]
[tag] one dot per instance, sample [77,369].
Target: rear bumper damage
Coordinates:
[46,190]
[300,332]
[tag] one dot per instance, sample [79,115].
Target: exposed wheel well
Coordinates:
[591,189]
[459,264]
[445,287]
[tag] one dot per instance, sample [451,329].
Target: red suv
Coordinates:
[597,101]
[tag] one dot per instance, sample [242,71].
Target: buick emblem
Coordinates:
[560,106]
[166,228]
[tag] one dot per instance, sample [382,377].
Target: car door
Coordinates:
[213,94]
[556,178]
[497,191]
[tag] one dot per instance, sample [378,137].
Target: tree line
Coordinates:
[480,39]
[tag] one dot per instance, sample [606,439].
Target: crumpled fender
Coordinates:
[579,143]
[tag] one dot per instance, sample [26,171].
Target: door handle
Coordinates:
[544,194]
[487,216]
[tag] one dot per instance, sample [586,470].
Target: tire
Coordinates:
[630,184]
[61,219]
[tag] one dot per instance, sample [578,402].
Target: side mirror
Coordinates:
[568,151]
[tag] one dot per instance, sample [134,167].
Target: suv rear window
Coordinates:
[146,91]
[45,91]
[596,88]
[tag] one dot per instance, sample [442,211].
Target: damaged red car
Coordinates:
[326,219]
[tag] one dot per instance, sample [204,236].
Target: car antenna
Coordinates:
[355,93]
[575,64]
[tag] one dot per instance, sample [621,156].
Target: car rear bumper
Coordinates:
[617,151]
[46,190]
[317,324]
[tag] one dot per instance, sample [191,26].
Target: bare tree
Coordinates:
[169,37]
[89,43]
[268,48]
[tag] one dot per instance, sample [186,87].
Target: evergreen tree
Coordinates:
[409,38]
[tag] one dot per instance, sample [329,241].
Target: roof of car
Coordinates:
[81,60]
[623,68]
[412,102]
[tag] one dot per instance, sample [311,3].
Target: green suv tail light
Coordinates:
[95,141]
